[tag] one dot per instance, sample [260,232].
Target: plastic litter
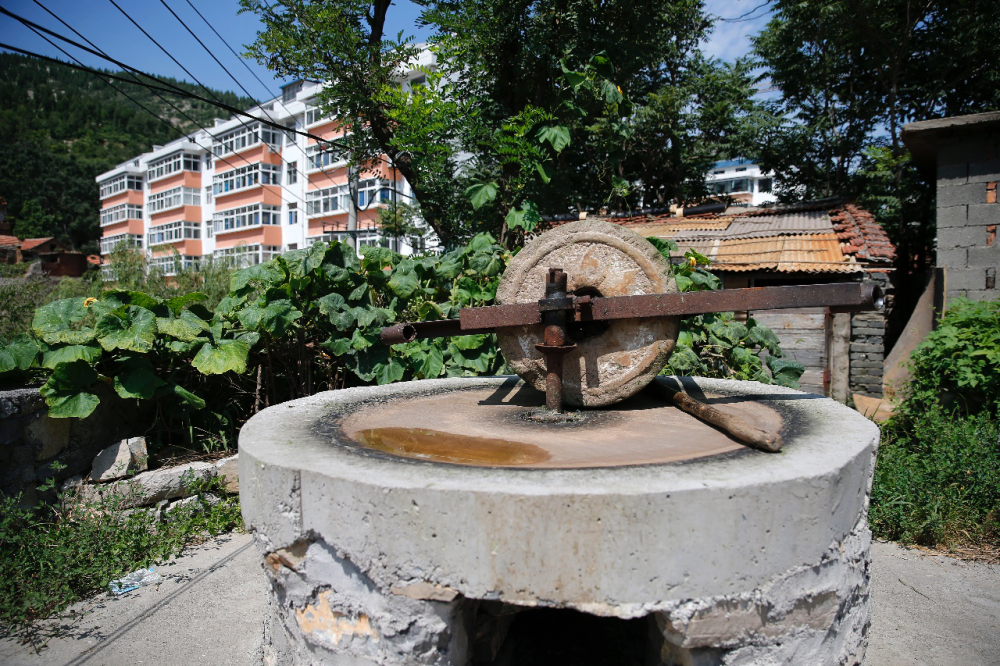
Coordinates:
[135,580]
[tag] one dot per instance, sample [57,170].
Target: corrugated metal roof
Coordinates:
[811,253]
[768,225]
[669,230]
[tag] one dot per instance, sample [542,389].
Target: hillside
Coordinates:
[59,128]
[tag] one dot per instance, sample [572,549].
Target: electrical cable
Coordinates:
[171,89]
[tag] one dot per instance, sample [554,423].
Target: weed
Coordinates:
[56,554]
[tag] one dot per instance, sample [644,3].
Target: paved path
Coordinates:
[927,610]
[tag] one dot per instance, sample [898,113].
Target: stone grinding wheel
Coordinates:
[613,360]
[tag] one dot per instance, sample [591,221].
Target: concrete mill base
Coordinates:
[741,557]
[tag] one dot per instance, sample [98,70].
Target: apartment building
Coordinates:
[246,191]
[742,181]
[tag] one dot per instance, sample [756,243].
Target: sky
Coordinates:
[103,24]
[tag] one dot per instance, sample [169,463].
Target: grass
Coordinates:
[937,482]
[52,556]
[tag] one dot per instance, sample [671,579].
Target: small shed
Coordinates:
[810,243]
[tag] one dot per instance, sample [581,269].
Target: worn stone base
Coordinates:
[744,558]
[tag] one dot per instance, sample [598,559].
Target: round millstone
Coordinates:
[613,360]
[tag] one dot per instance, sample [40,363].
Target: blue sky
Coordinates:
[102,23]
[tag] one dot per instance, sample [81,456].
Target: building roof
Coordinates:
[921,138]
[812,238]
[731,163]
[10,241]
[32,243]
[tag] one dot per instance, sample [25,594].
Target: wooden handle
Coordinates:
[734,425]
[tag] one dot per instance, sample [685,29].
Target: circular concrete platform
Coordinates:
[379,554]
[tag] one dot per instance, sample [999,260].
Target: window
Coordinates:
[174,198]
[248,255]
[741,169]
[245,217]
[109,243]
[289,92]
[208,194]
[315,115]
[374,191]
[172,164]
[730,186]
[291,173]
[328,201]
[293,217]
[244,177]
[719,172]
[364,236]
[418,81]
[245,137]
[119,213]
[120,184]
[170,264]
[173,231]
[320,156]
[764,185]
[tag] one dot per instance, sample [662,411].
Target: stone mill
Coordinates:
[587,509]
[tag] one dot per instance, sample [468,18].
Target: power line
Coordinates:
[135,101]
[172,89]
[231,50]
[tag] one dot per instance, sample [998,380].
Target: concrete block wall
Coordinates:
[968,212]
[30,441]
[867,347]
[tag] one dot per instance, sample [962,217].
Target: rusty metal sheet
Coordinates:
[813,253]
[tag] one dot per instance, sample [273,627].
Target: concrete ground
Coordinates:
[209,609]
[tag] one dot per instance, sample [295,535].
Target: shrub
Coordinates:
[306,321]
[937,481]
[56,554]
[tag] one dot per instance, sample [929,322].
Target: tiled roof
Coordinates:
[819,237]
[31,243]
[9,241]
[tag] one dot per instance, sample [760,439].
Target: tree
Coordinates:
[530,106]
[34,222]
[851,73]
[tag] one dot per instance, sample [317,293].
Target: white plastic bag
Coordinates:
[135,580]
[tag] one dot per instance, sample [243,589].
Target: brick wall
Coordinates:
[968,212]
[868,345]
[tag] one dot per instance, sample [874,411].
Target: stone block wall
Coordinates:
[868,344]
[968,212]
[30,441]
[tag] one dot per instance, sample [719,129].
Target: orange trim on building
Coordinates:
[260,153]
[188,247]
[265,235]
[123,227]
[268,194]
[190,179]
[189,213]
[128,196]
[321,180]
[331,129]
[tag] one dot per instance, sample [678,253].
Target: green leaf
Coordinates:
[137,380]
[527,217]
[389,372]
[130,328]
[53,322]
[338,346]
[275,318]
[609,92]
[545,172]
[575,79]
[177,303]
[432,364]
[227,355]
[186,396]
[261,275]
[188,326]
[332,302]
[66,392]
[19,354]
[404,282]
[68,354]
[481,193]
[558,136]
[785,372]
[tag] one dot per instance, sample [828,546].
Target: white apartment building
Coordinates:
[743,181]
[248,191]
